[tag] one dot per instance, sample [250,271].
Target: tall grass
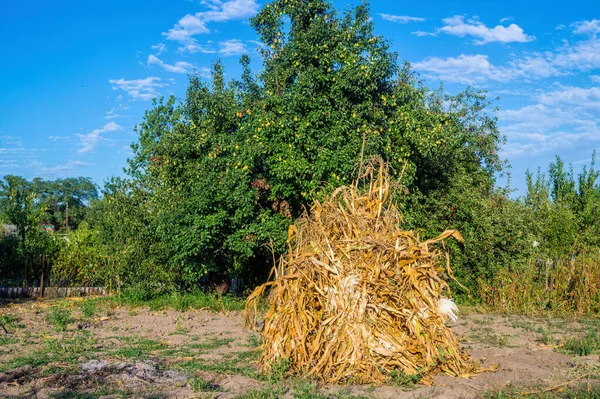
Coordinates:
[567,285]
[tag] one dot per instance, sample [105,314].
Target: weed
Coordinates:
[199,385]
[400,378]
[254,340]
[69,349]
[10,322]
[213,343]
[59,317]
[546,338]
[33,360]
[139,349]
[88,308]
[583,346]
[268,392]
[279,370]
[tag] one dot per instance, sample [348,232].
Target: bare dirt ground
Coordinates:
[82,349]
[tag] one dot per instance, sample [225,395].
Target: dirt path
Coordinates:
[107,352]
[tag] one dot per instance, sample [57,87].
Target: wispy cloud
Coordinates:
[561,118]
[219,11]
[582,55]
[232,47]
[178,67]
[225,48]
[139,89]
[89,141]
[113,114]
[159,48]
[58,170]
[587,27]
[401,19]
[457,26]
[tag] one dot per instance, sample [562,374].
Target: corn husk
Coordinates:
[357,298]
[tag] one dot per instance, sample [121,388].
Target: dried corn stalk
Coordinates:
[356,298]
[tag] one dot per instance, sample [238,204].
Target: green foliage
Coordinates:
[179,301]
[217,178]
[60,317]
[583,346]
[88,308]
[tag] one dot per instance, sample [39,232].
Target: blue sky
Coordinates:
[76,77]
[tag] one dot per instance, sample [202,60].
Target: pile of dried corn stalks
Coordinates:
[356,298]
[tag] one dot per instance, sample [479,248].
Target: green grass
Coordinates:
[400,378]
[10,322]
[33,360]
[213,343]
[88,308]
[134,348]
[583,346]
[199,385]
[60,317]
[580,392]
[181,302]
[300,390]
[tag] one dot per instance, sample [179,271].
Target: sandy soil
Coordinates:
[121,352]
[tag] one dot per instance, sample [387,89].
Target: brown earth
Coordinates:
[120,352]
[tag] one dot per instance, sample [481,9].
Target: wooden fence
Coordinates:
[50,292]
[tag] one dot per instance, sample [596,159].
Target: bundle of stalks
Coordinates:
[357,298]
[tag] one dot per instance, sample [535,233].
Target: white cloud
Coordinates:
[562,118]
[232,47]
[112,114]
[587,27]
[457,26]
[580,56]
[421,33]
[401,19]
[467,69]
[225,48]
[60,170]
[139,89]
[220,11]
[194,47]
[89,141]
[595,78]
[506,19]
[159,48]
[178,67]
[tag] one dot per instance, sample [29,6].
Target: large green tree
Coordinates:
[222,173]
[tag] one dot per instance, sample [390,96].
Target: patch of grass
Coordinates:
[88,308]
[213,343]
[103,391]
[251,355]
[199,385]
[33,360]
[181,301]
[254,340]
[51,370]
[226,366]
[4,340]
[138,348]
[400,378]
[279,370]
[10,322]
[268,392]
[583,346]
[69,349]
[581,392]
[547,337]
[59,317]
